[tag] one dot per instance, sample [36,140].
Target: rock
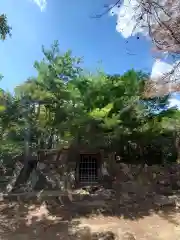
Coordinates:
[165,182]
[132,187]
[105,193]
[178,183]
[81,192]
[104,236]
[126,170]
[41,166]
[125,235]
[84,234]
[154,175]
[18,168]
[145,167]
[161,200]
[167,191]
[128,236]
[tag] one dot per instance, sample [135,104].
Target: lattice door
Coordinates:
[88,169]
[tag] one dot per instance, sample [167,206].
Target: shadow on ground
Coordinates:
[33,219]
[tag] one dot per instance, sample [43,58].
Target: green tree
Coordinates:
[5,29]
[66,105]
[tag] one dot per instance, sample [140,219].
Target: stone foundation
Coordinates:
[157,178]
[57,171]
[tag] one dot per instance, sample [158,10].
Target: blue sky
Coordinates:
[69,22]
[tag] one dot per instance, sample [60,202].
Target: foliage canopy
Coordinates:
[66,105]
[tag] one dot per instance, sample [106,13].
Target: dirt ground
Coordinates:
[48,220]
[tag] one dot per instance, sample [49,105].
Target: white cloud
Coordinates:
[166,76]
[174,102]
[129,20]
[41,4]
[125,17]
[159,68]
[129,24]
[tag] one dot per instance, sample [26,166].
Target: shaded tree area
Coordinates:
[65,105]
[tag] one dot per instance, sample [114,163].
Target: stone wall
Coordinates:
[157,178]
[60,172]
[57,170]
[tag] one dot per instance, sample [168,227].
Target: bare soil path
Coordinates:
[46,220]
